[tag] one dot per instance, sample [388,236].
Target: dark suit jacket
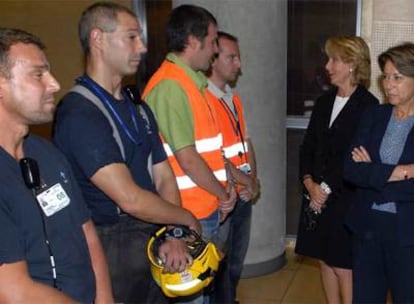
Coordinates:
[323,149]
[371,178]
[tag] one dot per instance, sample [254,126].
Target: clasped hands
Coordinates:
[227,204]
[317,196]
[247,192]
[251,191]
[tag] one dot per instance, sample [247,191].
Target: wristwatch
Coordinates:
[175,233]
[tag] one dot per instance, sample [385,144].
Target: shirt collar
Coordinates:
[198,77]
[227,94]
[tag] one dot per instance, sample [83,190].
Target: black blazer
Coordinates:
[323,149]
[371,178]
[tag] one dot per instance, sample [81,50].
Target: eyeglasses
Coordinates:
[395,78]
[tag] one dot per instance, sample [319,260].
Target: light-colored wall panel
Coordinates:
[385,23]
[394,10]
[385,35]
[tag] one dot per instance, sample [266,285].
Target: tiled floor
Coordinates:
[296,283]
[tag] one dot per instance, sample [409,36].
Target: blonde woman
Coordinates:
[322,233]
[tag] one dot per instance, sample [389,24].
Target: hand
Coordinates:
[175,256]
[245,195]
[227,205]
[195,225]
[318,197]
[402,172]
[254,188]
[250,192]
[316,206]
[360,154]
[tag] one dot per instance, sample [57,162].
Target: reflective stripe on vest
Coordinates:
[185,182]
[235,149]
[202,145]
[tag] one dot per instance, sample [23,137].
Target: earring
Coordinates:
[350,70]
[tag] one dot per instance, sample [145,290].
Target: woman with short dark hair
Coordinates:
[381,165]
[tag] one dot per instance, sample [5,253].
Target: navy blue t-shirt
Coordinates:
[83,133]
[21,233]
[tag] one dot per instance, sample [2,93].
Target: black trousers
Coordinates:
[124,244]
[381,264]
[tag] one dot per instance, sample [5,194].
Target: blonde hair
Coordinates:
[355,51]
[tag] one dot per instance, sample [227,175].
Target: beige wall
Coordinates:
[386,23]
[55,22]
[395,10]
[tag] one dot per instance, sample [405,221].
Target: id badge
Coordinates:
[245,168]
[53,200]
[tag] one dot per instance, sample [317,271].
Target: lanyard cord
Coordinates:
[45,234]
[235,123]
[33,181]
[100,94]
[234,118]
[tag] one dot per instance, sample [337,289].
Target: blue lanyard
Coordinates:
[98,91]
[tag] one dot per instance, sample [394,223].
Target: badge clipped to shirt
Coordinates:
[53,199]
[245,168]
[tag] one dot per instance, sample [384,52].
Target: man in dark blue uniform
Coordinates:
[49,249]
[117,155]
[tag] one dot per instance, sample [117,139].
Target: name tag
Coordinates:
[245,168]
[53,199]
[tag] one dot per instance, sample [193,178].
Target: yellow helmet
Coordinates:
[195,277]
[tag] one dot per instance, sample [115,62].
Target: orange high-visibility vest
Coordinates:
[208,141]
[233,129]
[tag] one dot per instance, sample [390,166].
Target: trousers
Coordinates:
[124,244]
[237,230]
[381,263]
[210,226]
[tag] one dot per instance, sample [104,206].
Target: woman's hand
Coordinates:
[402,172]
[360,154]
[317,195]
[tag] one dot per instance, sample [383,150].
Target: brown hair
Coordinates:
[101,15]
[10,37]
[402,56]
